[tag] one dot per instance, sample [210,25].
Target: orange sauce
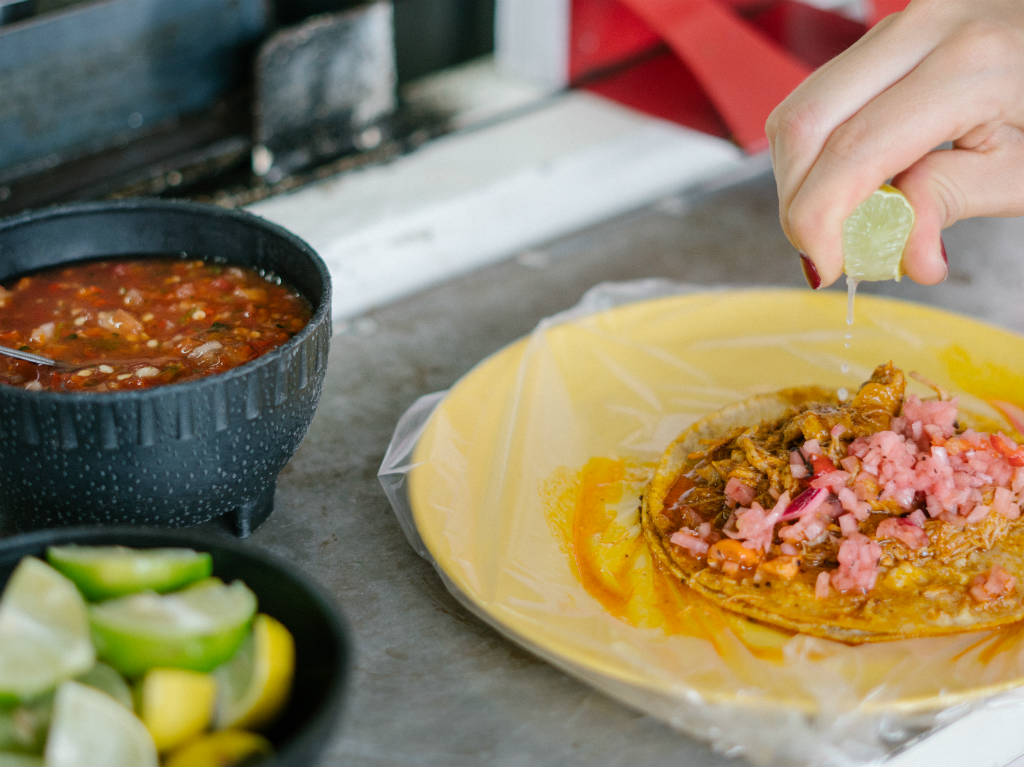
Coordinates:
[594,512]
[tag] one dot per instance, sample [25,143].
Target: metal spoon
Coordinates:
[29,357]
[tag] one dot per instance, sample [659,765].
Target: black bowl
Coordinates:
[314,710]
[174,455]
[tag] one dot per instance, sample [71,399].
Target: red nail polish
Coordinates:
[945,258]
[810,272]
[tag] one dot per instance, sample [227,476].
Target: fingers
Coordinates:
[800,126]
[956,87]
[947,186]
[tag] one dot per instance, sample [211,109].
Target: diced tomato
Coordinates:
[821,464]
[1013,452]
[955,445]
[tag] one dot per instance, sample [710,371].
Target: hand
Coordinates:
[940,71]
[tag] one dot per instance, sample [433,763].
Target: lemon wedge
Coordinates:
[175,705]
[220,749]
[44,631]
[197,628]
[875,234]
[102,572]
[90,727]
[254,685]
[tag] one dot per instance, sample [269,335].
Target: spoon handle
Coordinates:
[27,356]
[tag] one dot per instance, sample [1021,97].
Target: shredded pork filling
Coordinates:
[838,488]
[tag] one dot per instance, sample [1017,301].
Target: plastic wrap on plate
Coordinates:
[521,486]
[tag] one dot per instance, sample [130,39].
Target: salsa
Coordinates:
[135,323]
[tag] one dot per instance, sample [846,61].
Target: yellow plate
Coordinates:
[621,384]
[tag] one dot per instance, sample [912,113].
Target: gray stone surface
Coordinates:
[431,683]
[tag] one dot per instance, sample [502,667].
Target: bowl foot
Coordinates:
[250,514]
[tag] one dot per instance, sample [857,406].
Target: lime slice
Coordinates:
[90,727]
[44,631]
[197,628]
[253,686]
[875,234]
[220,749]
[14,759]
[175,704]
[102,572]
[23,727]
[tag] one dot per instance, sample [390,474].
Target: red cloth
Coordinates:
[879,9]
[700,62]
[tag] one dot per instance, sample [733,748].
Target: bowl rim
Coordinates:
[320,316]
[325,716]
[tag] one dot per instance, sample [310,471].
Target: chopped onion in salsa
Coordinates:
[136,323]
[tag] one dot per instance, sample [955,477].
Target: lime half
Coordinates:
[44,631]
[102,572]
[196,628]
[90,727]
[254,685]
[875,234]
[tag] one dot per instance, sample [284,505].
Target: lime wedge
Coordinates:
[23,727]
[102,572]
[253,686]
[197,628]
[176,704]
[220,749]
[44,631]
[875,234]
[90,727]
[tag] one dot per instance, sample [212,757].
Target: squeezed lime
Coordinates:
[875,234]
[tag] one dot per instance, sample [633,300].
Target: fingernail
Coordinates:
[945,258]
[810,272]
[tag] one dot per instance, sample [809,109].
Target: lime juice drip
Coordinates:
[851,292]
[844,368]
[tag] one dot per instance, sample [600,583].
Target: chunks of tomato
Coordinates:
[821,464]
[1006,447]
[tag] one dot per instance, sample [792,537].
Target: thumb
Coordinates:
[946,186]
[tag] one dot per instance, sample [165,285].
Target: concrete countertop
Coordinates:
[432,684]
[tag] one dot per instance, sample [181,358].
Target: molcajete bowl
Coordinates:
[173,455]
[314,709]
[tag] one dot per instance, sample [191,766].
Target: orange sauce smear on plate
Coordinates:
[594,512]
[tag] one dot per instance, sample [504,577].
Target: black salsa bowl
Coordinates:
[175,455]
[315,706]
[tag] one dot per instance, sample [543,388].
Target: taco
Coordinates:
[881,517]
